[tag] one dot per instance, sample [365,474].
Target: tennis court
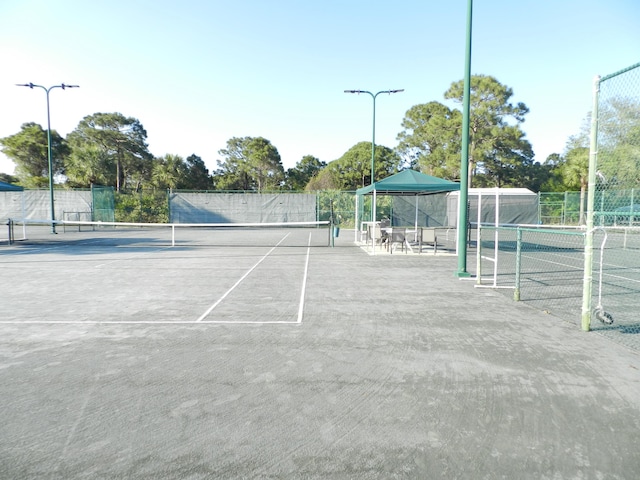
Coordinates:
[140,275]
[277,356]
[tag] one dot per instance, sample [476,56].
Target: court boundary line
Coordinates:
[304,282]
[235,285]
[144,322]
[200,320]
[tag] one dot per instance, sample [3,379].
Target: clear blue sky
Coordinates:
[197,73]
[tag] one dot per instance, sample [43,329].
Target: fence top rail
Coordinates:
[527,225]
[555,229]
[619,72]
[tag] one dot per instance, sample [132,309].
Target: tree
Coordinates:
[537,177]
[299,176]
[499,154]
[172,172]
[619,141]
[28,150]
[249,163]
[197,176]
[494,142]
[122,142]
[6,178]
[508,161]
[431,139]
[231,173]
[325,179]
[168,172]
[550,176]
[575,170]
[353,169]
[89,165]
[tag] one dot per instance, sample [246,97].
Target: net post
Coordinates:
[173,235]
[632,203]
[516,291]
[331,225]
[330,243]
[588,240]
[479,256]
[93,204]
[356,225]
[496,252]
[10,233]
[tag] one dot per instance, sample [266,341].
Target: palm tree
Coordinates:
[168,171]
[576,174]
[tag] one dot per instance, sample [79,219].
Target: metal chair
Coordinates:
[397,236]
[376,235]
[427,236]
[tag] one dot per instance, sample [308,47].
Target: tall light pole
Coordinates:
[47,90]
[373,141]
[463,221]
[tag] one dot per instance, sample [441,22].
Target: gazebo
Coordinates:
[8,187]
[405,183]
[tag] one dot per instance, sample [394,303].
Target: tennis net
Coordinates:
[284,234]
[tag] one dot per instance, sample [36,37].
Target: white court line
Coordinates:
[304,282]
[212,307]
[619,277]
[200,320]
[143,322]
[542,260]
[581,268]
[573,267]
[190,322]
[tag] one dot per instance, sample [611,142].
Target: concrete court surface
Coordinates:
[396,370]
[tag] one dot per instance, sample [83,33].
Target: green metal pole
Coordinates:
[49,156]
[463,223]
[591,195]
[50,162]
[373,139]
[373,142]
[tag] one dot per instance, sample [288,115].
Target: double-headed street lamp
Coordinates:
[373,141]
[47,90]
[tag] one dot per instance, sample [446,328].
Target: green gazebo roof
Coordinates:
[409,182]
[8,187]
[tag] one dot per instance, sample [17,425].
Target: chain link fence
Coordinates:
[612,282]
[588,274]
[542,266]
[559,208]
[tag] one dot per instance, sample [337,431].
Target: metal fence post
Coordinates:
[588,241]
[516,291]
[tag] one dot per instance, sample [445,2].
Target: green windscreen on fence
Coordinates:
[232,207]
[103,208]
[209,207]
